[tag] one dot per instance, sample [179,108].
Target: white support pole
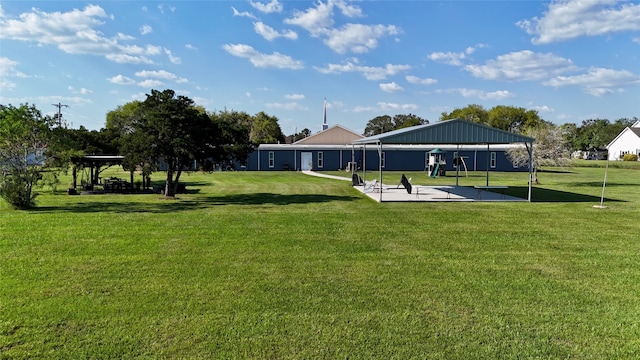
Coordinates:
[364,167]
[530,151]
[380,167]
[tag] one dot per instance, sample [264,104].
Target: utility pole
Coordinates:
[59,106]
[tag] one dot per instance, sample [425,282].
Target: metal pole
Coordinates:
[604,184]
[380,167]
[530,150]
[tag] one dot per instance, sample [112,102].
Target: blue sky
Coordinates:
[569,60]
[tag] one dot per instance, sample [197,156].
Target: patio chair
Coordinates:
[356,180]
[370,185]
[406,183]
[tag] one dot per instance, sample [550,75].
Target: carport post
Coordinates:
[380,166]
[530,151]
[488,163]
[364,167]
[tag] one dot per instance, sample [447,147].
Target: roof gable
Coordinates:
[633,130]
[335,135]
[456,131]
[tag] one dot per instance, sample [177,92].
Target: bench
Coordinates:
[479,190]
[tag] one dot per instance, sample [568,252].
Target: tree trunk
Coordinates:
[177,181]
[169,189]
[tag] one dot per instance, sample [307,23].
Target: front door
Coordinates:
[306,159]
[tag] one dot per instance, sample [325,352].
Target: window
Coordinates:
[493,160]
[383,157]
[320,159]
[272,159]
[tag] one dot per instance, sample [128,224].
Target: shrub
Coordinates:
[16,190]
[630,157]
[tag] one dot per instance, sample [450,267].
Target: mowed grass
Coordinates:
[284,265]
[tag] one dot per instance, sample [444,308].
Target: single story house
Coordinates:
[627,142]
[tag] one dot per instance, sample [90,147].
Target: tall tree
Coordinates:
[378,125]
[171,129]
[402,121]
[513,119]
[24,138]
[548,149]
[265,129]
[299,135]
[474,112]
[233,140]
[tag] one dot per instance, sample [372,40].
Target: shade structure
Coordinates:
[455,131]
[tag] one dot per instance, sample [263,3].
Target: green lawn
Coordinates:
[283,265]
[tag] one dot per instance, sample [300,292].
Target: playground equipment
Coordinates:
[459,161]
[437,163]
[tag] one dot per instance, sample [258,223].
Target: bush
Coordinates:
[16,190]
[630,157]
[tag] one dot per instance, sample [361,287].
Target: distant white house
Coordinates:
[627,142]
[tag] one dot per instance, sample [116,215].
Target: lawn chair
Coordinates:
[370,186]
[406,183]
[356,180]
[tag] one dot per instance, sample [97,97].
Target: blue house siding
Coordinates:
[289,157]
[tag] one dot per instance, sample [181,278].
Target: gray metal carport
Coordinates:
[456,132]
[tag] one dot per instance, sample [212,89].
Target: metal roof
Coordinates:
[456,131]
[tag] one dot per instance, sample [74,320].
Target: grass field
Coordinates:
[283,265]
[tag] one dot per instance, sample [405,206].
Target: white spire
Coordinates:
[325,126]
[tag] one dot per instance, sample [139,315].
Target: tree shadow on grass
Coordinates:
[160,205]
[549,195]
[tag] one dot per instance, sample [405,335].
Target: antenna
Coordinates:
[60,106]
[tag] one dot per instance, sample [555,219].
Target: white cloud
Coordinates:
[242,14]
[386,106]
[598,81]
[479,94]
[270,33]
[454,58]
[258,59]
[161,74]
[286,106]
[391,87]
[191,47]
[121,80]
[128,59]
[82,91]
[171,8]
[348,10]
[146,29]
[567,20]
[315,20]
[522,65]
[357,38]
[150,83]
[416,80]
[267,8]
[543,108]
[450,58]
[369,72]
[75,32]
[294,96]
[174,59]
